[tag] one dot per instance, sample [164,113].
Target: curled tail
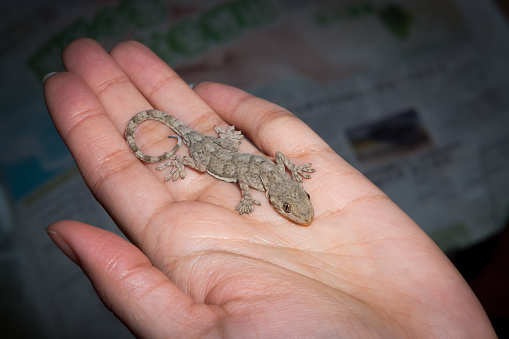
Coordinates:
[176,125]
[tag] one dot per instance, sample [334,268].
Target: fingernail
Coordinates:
[63,246]
[48,75]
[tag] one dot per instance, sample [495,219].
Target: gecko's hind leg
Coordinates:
[179,171]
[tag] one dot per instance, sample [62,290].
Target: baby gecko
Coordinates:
[220,157]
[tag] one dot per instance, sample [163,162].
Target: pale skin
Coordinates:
[194,266]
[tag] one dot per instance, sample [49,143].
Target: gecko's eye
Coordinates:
[287,207]
[308,195]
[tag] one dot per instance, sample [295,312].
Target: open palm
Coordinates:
[196,267]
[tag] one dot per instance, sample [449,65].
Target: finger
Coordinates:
[271,127]
[139,294]
[103,158]
[164,89]
[116,93]
[119,97]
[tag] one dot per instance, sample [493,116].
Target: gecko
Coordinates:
[220,157]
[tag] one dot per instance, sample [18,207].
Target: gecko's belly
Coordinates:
[217,176]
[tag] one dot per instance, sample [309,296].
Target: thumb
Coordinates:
[139,294]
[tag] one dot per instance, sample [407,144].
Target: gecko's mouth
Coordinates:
[300,220]
[306,222]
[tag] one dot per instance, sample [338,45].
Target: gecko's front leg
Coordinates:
[296,170]
[246,203]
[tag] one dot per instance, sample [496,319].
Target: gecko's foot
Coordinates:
[301,170]
[298,171]
[230,133]
[246,205]
[177,171]
[231,138]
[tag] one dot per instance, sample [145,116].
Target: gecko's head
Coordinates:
[292,202]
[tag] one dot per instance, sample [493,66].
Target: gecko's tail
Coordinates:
[160,116]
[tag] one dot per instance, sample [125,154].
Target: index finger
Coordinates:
[271,127]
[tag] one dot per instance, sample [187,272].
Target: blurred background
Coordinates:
[413,93]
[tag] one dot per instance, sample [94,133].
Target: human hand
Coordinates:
[196,267]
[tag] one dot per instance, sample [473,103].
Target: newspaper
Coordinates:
[409,92]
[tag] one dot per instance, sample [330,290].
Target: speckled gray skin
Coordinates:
[220,158]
